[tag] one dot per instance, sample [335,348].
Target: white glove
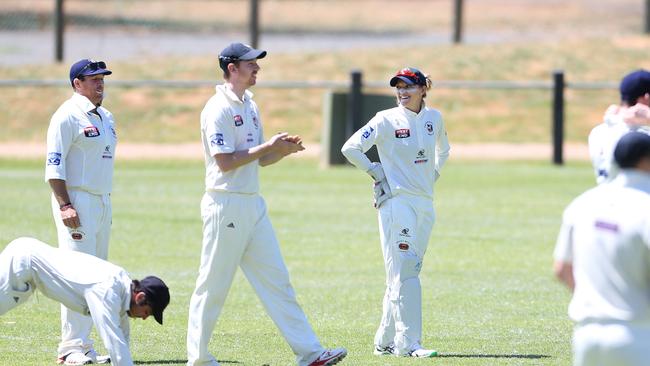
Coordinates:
[376,172]
[381,189]
[381,192]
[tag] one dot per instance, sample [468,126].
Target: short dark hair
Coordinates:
[631,149]
[224,67]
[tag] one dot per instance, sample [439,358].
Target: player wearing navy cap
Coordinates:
[603,255]
[632,114]
[81,142]
[84,284]
[412,144]
[237,231]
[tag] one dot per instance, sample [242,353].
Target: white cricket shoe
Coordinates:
[78,358]
[418,351]
[384,351]
[330,357]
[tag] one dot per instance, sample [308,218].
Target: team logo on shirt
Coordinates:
[216,139]
[402,133]
[91,131]
[54,158]
[254,118]
[366,133]
[421,157]
[107,153]
[429,126]
[405,232]
[77,234]
[238,120]
[403,246]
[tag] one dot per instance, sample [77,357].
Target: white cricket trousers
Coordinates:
[611,344]
[405,224]
[95,215]
[15,276]
[237,232]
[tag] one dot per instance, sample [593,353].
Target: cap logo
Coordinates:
[409,74]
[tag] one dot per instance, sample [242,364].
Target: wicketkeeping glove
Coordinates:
[381,189]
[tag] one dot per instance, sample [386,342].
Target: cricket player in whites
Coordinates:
[632,114]
[83,283]
[81,142]
[237,231]
[412,144]
[603,255]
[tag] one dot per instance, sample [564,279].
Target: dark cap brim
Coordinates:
[97,72]
[252,55]
[158,315]
[395,79]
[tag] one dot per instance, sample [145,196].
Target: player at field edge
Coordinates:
[412,144]
[81,142]
[632,114]
[603,255]
[237,231]
[85,284]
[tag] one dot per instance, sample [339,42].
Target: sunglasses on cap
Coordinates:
[93,66]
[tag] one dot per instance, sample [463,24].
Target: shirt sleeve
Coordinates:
[361,141]
[564,246]
[442,145]
[220,132]
[60,136]
[106,311]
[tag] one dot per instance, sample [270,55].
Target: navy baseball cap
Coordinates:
[238,52]
[88,67]
[157,295]
[410,76]
[631,148]
[635,85]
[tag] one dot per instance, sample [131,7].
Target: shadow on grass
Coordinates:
[482,355]
[175,362]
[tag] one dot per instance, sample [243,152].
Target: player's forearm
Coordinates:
[271,158]
[564,273]
[227,162]
[356,157]
[60,191]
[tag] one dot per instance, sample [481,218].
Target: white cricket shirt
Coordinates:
[229,124]
[88,285]
[412,148]
[81,146]
[602,142]
[605,234]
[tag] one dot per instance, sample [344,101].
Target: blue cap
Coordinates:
[238,52]
[631,148]
[635,85]
[88,67]
[410,76]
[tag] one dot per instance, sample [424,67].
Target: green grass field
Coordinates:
[489,297]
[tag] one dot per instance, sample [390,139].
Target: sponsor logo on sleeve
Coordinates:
[54,158]
[429,126]
[366,133]
[113,132]
[238,120]
[91,131]
[255,121]
[216,139]
[402,133]
[607,226]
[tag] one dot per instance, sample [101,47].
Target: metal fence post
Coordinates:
[59,21]
[558,116]
[458,21]
[354,103]
[254,23]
